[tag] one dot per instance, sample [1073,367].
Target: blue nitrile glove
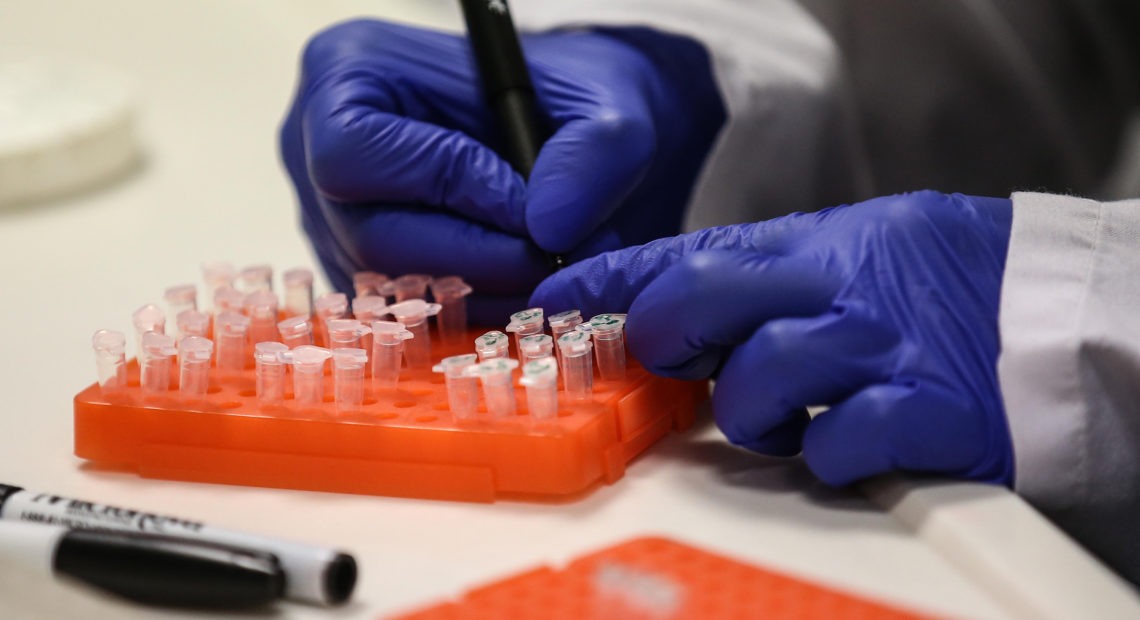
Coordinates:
[886,311]
[391,148]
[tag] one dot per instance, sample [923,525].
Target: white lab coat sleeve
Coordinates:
[1070,367]
[790,142]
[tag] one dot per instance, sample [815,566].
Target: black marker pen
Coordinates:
[157,570]
[506,83]
[313,574]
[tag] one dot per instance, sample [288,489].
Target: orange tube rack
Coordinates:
[659,579]
[403,442]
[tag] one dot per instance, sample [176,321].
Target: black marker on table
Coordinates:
[312,574]
[506,83]
[157,570]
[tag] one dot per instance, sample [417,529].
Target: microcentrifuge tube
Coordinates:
[609,345]
[230,329]
[217,275]
[563,322]
[498,388]
[413,314]
[193,323]
[110,358]
[261,308]
[451,294]
[348,378]
[366,310]
[154,365]
[270,372]
[525,323]
[255,278]
[535,346]
[409,286]
[308,373]
[346,333]
[228,299]
[327,307]
[180,299]
[194,365]
[577,365]
[368,283]
[492,345]
[540,377]
[387,352]
[148,318]
[369,308]
[298,291]
[462,388]
[296,331]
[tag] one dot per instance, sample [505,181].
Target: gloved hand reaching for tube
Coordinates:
[391,149]
[885,311]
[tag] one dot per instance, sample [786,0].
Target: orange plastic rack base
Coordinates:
[404,442]
[658,579]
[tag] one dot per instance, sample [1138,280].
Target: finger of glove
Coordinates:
[609,282]
[359,150]
[766,384]
[585,171]
[688,320]
[398,240]
[886,427]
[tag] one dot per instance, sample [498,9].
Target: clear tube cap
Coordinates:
[566,318]
[149,318]
[195,348]
[261,304]
[269,352]
[218,273]
[449,288]
[413,283]
[413,310]
[193,320]
[255,275]
[575,343]
[232,323]
[455,364]
[524,318]
[490,341]
[295,325]
[605,324]
[109,342]
[349,327]
[368,282]
[331,303]
[492,368]
[180,294]
[307,356]
[298,276]
[390,332]
[155,344]
[228,299]
[372,306]
[535,343]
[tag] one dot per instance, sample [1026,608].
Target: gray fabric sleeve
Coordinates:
[1070,367]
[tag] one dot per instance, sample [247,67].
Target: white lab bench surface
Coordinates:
[214,79]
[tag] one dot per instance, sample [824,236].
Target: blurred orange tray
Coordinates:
[658,579]
[404,442]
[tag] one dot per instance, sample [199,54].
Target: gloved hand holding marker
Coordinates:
[394,154]
[885,310]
